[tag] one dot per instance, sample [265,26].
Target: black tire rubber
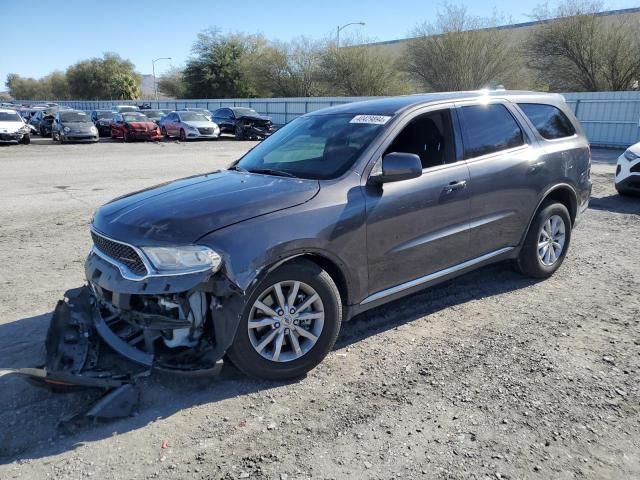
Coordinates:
[250,362]
[26,139]
[60,139]
[239,132]
[163,132]
[183,135]
[528,261]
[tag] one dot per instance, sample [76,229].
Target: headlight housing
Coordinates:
[629,155]
[94,129]
[189,258]
[66,129]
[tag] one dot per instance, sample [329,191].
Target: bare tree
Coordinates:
[577,49]
[361,70]
[286,69]
[461,52]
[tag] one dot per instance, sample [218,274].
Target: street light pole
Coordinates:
[153,69]
[340,28]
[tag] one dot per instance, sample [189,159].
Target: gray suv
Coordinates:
[338,212]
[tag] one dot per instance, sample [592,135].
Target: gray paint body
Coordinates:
[411,233]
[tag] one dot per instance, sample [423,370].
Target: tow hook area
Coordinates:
[83,352]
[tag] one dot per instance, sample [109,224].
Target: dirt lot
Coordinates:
[489,376]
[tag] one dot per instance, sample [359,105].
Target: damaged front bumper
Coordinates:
[113,331]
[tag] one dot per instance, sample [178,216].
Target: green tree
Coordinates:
[24,88]
[124,86]
[172,83]
[461,52]
[215,68]
[93,79]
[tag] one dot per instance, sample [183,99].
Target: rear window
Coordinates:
[488,129]
[548,120]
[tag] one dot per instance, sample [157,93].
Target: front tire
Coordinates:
[239,132]
[183,135]
[289,323]
[26,139]
[547,241]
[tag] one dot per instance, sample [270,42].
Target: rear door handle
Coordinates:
[453,186]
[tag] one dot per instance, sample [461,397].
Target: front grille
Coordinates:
[206,131]
[636,168]
[7,136]
[123,254]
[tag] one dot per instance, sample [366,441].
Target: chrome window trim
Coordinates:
[128,274]
[433,276]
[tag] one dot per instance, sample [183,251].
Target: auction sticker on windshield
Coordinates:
[371,119]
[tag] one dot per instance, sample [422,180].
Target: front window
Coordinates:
[135,118]
[192,117]
[10,117]
[154,114]
[104,114]
[74,117]
[128,109]
[317,147]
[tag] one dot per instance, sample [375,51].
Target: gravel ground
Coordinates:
[491,375]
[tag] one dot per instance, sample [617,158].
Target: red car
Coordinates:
[134,126]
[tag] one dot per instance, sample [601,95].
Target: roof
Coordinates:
[393,105]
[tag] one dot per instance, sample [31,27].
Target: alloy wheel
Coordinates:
[286,321]
[551,240]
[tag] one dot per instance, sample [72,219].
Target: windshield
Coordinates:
[104,114]
[245,112]
[10,117]
[70,117]
[318,147]
[135,118]
[127,109]
[192,117]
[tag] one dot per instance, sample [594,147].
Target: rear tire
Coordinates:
[547,241]
[292,362]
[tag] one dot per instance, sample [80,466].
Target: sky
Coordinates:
[42,36]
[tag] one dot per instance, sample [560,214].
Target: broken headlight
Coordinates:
[191,258]
[629,155]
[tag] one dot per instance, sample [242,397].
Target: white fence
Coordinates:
[610,119]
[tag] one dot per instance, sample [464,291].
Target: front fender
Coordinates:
[330,226]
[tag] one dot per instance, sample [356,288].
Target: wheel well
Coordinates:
[334,271]
[565,196]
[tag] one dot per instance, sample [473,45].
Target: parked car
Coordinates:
[73,126]
[102,120]
[124,108]
[627,180]
[340,211]
[202,111]
[13,127]
[156,115]
[42,120]
[188,125]
[244,123]
[132,126]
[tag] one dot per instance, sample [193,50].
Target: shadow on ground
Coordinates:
[616,204]
[30,415]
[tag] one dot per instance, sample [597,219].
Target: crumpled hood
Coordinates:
[11,127]
[182,211]
[143,125]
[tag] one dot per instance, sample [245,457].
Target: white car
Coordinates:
[188,125]
[13,128]
[628,171]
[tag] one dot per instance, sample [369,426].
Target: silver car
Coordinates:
[188,125]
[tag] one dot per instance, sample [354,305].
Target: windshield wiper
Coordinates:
[238,168]
[272,171]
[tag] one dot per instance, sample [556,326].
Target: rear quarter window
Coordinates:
[488,129]
[550,122]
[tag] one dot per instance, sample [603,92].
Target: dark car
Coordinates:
[156,115]
[102,120]
[42,120]
[244,123]
[73,126]
[132,126]
[340,211]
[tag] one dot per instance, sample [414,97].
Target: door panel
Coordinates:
[418,226]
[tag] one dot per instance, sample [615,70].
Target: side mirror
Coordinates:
[396,167]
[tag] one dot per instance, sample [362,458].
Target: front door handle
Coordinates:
[536,166]
[454,186]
